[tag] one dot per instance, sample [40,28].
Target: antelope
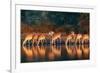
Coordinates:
[70,37]
[41,38]
[85,38]
[27,38]
[55,37]
[78,39]
[35,38]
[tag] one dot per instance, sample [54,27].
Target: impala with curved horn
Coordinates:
[27,38]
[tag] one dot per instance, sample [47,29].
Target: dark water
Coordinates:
[54,53]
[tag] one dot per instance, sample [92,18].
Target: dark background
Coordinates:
[45,21]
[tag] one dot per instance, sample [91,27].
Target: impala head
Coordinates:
[85,36]
[51,33]
[72,33]
[79,36]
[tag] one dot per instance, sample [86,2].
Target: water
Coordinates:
[45,53]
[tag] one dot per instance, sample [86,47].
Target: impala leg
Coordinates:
[41,42]
[79,41]
[52,41]
[76,42]
[38,42]
[24,42]
[33,43]
[82,42]
[66,42]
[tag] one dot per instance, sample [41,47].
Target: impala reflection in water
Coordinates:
[54,53]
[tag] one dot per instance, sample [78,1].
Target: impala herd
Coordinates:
[73,45]
[41,38]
